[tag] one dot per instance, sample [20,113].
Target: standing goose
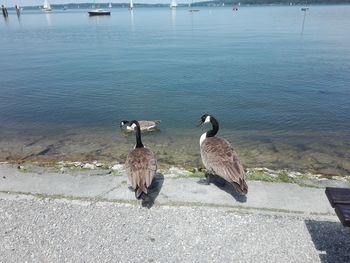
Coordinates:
[144,125]
[141,165]
[219,157]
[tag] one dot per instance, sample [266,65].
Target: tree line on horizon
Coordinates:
[272,2]
[88,5]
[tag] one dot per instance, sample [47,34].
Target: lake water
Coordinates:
[276,78]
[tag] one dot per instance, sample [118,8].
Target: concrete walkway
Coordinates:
[279,197]
[77,217]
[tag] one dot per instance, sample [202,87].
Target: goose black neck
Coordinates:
[138,137]
[215,128]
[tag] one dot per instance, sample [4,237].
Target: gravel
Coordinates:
[44,230]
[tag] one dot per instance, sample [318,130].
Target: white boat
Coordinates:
[46,6]
[131,5]
[99,12]
[110,5]
[173,4]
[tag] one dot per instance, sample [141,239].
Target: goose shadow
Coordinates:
[227,187]
[153,191]
[331,239]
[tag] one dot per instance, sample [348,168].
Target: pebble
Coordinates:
[89,166]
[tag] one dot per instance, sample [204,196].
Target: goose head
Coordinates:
[122,123]
[125,125]
[207,118]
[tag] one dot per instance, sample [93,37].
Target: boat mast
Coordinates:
[173,4]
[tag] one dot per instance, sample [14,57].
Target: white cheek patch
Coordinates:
[207,119]
[133,126]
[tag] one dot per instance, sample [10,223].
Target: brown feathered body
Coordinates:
[141,166]
[220,158]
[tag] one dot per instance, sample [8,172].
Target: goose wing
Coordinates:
[141,166]
[220,158]
[146,125]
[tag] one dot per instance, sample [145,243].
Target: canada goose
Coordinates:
[141,165]
[144,125]
[219,157]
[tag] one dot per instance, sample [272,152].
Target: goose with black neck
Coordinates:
[141,165]
[219,157]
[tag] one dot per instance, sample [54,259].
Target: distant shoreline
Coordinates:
[181,5]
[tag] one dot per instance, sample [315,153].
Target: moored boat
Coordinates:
[99,12]
[46,6]
[173,4]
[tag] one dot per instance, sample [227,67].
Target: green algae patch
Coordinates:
[260,176]
[280,176]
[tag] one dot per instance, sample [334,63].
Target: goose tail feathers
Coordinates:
[242,186]
[140,194]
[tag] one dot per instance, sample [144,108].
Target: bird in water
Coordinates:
[144,125]
[141,165]
[219,157]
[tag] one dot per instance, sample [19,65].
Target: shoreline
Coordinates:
[174,187]
[326,154]
[263,174]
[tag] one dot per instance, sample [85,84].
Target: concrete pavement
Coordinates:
[185,191]
[53,217]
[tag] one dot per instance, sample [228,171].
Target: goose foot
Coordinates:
[205,181]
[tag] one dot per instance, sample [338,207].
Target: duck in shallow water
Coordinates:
[219,157]
[144,125]
[141,165]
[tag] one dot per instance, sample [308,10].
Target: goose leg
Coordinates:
[220,181]
[205,181]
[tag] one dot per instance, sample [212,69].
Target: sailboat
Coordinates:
[193,10]
[173,4]
[131,5]
[305,8]
[46,6]
[235,6]
[18,10]
[110,5]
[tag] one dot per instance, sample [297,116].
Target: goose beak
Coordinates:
[199,123]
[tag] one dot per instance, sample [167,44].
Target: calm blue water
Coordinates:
[267,69]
